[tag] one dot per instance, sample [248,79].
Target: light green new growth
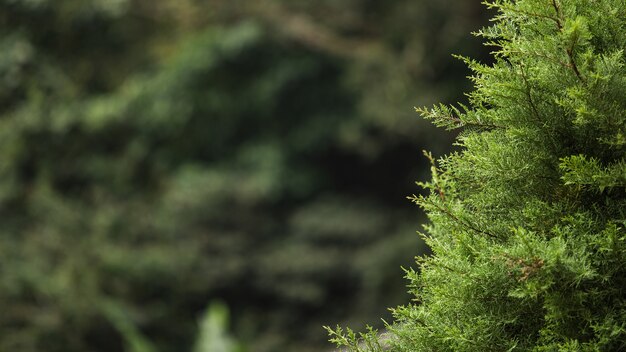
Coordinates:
[527,222]
[213,331]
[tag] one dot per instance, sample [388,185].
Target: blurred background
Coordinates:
[215,175]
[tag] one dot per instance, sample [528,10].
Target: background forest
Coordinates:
[157,157]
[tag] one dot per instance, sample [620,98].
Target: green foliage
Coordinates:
[578,170]
[213,336]
[157,156]
[528,219]
[371,340]
[135,341]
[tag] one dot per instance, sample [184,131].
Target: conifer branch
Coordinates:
[570,52]
[532,14]
[463,222]
[572,64]
[557,9]
[531,102]
[460,123]
[457,122]
[439,264]
[537,54]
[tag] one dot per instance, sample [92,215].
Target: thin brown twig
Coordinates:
[570,51]
[529,95]
[557,9]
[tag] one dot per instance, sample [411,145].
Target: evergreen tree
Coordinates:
[528,218]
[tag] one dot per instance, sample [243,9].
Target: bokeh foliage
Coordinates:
[156,156]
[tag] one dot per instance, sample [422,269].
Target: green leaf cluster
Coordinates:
[527,220]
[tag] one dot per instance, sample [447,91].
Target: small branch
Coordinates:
[529,95]
[540,55]
[306,30]
[460,123]
[573,65]
[532,14]
[557,9]
[464,222]
[570,52]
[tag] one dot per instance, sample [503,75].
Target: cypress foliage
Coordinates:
[527,220]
